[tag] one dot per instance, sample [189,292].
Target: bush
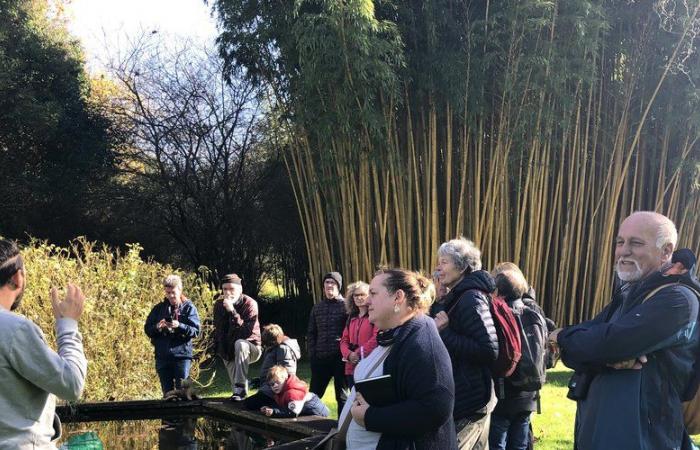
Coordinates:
[121,288]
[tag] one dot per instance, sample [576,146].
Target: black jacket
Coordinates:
[471,340]
[326,323]
[422,374]
[664,329]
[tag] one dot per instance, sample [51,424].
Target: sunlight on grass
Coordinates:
[554,428]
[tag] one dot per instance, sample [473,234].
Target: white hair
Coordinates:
[463,253]
[173,281]
[666,232]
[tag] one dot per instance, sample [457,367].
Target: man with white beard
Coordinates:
[236,333]
[634,360]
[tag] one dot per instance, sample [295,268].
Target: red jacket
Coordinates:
[361,335]
[294,389]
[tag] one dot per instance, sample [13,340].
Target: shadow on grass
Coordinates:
[559,376]
[221,386]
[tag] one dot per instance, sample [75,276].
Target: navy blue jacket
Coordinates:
[635,408]
[420,367]
[471,340]
[178,344]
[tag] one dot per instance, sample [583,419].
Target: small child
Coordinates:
[280,350]
[291,397]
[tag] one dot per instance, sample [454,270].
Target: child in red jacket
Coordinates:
[359,336]
[291,397]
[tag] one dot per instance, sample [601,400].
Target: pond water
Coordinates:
[172,433]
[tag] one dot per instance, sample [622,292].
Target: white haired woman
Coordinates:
[467,329]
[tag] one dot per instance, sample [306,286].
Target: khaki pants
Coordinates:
[473,431]
[246,354]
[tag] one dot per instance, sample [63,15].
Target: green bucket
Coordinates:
[83,441]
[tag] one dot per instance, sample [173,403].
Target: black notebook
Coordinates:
[377,391]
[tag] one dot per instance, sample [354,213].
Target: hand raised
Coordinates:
[72,305]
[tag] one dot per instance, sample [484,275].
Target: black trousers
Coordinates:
[322,370]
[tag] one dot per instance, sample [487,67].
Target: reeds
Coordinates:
[537,160]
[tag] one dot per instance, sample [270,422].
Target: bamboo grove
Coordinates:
[529,126]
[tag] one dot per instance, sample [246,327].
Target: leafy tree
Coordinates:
[198,168]
[55,149]
[531,126]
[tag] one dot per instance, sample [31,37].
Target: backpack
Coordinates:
[530,373]
[508,332]
[550,355]
[691,395]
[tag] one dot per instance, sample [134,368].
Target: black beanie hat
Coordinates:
[335,276]
[684,256]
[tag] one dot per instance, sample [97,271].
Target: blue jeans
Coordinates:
[171,372]
[511,432]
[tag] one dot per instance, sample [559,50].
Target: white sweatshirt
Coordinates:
[31,375]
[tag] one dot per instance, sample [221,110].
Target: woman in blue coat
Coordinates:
[171,325]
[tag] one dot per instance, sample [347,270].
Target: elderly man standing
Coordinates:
[326,322]
[171,325]
[634,359]
[32,374]
[236,333]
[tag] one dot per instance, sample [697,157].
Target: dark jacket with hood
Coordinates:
[178,343]
[231,326]
[419,365]
[516,401]
[326,323]
[285,354]
[638,409]
[471,340]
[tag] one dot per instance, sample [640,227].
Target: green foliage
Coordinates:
[331,61]
[54,148]
[347,59]
[121,289]
[521,106]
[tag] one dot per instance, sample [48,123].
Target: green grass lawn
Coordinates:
[554,428]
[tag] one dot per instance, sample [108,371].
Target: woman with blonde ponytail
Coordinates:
[411,352]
